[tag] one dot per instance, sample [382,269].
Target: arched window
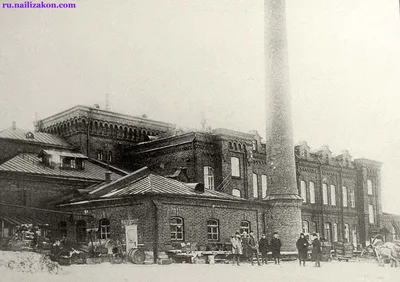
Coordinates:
[230,145]
[264,185]
[333,195]
[104,228]
[235,146]
[352,197]
[344,196]
[81,231]
[62,228]
[176,226]
[312,193]
[335,232]
[325,194]
[236,192]
[245,226]
[303,191]
[369,186]
[313,227]
[305,226]
[371,214]
[235,167]
[328,232]
[255,185]
[213,230]
[209,177]
[346,233]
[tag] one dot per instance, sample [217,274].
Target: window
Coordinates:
[176,225]
[325,194]
[255,186]
[254,145]
[371,214]
[213,230]
[303,191]
[62,228]
[244,226]
[333,195]
[236,192]
[81,231]
[209,177]
[110,158]
[328,232]
[335,232]
[235,167]
[312,193]
[313,227]
[369,186]
[73,163]
[264,185]
[352,198]
[346,233]
[100,155]
[104,228]
[305,226]
[344,196]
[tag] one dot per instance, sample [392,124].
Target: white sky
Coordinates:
[173,59]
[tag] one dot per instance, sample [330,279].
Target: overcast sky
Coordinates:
[173,59]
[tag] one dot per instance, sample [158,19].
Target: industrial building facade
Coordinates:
[341,196]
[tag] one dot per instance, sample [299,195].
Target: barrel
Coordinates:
[136,256]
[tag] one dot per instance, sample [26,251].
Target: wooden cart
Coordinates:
[343,251]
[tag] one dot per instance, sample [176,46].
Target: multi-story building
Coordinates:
[102,134]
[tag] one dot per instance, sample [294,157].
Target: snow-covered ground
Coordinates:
[287,271]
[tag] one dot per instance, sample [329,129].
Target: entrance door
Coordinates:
[131,237]
[354,235]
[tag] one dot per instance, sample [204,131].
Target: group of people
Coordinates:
[303,244]
[248,246]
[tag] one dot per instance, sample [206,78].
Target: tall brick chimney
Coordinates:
[284,212]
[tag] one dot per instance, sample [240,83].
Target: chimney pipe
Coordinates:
[14,125]
[108,176]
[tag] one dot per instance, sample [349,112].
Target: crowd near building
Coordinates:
[90,173]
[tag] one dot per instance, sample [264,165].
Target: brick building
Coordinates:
[100,134]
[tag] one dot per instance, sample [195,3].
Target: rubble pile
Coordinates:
[28,262]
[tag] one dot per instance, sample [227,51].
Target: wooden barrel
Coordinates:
[136,256]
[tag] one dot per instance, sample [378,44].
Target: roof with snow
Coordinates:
[34,137]
[31,164]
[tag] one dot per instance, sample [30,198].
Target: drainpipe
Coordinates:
[246,192]
[341,204]
[194,160]
[156,206]
[321,183]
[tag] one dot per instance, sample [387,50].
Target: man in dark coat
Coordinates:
[263,247]
[316,250]
[245,244]
[302,246]
[253,248]
[276,247]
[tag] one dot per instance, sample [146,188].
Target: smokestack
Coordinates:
[108,176]
[14,125]
[282,195]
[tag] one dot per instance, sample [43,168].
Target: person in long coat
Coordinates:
[263,247]
[276,245]
[302,246]
[253,248]
[316,250]
[245,245]
[237,249]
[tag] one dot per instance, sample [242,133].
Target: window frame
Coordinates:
[371,214]
[208,172]
[235,167]
[333,195]
[344,196]
[176,226]
[328,231]
[325,200]
[104,228]
[255,185]
[242,226]
[303,191]
[370,187]
[334,232]
[305,226]
[264,185]
[234,190]
[352,197]
[213,229]
[312,192]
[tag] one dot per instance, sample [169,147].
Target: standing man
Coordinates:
[316,250]
[245,244]
[263,247]
[276,247]
[253,248]
[302,246]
